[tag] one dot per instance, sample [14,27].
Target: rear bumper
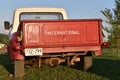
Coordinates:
[96,49]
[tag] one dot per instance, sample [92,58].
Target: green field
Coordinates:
[105,67]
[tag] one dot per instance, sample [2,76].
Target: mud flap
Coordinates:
[19,68]
[86,62]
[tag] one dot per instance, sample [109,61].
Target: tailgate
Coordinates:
[61,33]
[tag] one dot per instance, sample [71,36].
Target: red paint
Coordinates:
[13,53]
[57,36]
[78,35]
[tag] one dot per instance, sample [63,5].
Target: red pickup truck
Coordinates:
[54,41]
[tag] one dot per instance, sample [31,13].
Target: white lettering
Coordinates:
[62,32]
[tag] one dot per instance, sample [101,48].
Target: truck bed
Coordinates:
[62,33]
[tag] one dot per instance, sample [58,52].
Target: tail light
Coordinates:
[17,48]
[106,44]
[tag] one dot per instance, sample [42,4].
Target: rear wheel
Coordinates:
[86,61]
[19,68]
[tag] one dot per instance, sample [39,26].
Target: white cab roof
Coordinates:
[18,11]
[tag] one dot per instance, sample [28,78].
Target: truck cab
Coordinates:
[35,14]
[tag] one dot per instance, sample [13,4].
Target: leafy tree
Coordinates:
[113,18]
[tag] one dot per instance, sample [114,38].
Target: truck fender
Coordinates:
[12,46]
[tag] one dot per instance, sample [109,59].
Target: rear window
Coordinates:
[40,16]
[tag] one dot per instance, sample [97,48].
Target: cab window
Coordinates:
[40,16]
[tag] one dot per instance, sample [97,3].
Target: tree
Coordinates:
[113,18]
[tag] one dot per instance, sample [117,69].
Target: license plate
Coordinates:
[33,52]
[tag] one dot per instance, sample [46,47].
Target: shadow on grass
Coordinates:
[109,68]
[5,62]
[105,67]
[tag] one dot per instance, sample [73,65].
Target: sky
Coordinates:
[76,9]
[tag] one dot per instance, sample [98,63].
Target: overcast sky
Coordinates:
[76,9]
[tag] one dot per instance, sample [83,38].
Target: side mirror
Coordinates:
[7,25]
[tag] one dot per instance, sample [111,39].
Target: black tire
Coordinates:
[86,62]
[18,68]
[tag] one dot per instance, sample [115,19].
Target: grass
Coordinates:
[109,53]
[105,67]
[108,68]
